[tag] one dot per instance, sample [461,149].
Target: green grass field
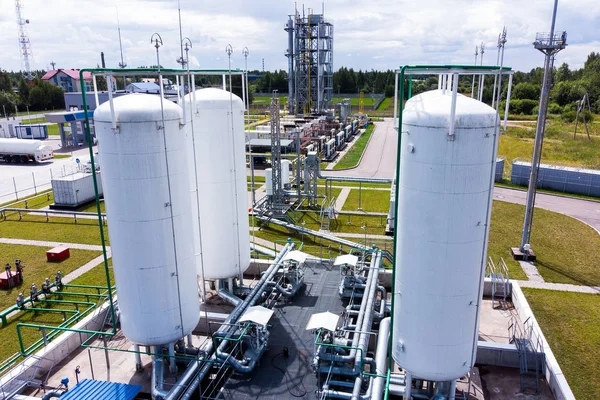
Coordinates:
[353,156]
[559,145]
[370,200]
[566,249]
[37,268]
[96,277]
[58,229]
[570,324]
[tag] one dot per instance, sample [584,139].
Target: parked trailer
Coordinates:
[23,150]
[355,127]
[329,150]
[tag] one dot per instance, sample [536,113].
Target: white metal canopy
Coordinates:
[257,314]
[326,320]
[347,259]
[297,256]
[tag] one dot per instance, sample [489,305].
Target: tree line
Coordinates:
[568,87]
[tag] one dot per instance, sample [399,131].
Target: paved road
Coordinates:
[379,159]
[583,210]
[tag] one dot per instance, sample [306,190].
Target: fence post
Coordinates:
[15,185]
[34,187]
[360,195]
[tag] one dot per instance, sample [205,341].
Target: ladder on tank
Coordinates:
[532,359]
[500,281]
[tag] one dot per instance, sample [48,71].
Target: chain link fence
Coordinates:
[32,183]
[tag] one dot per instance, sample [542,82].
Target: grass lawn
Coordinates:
[58,229]
[53,130]
[386,104]
[91,208]
[39,120]
[559,145]
[62,155]
[370,200]
[353,156]
[355,101]
[37,268]
[96,276]
[566,249]
[356,184]
[36,202]
[570,324]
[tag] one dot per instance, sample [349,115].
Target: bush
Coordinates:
[554,108]
[570,116]
[526,91]
[523,106]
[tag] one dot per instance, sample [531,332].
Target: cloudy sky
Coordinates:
[369,34]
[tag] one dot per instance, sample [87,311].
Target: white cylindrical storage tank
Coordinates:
[285,172]
[217,148]
[443,210]
[146,191]
[269,181]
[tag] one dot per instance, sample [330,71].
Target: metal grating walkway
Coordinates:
[280,378]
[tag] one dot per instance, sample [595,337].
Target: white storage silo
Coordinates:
[443,210]
[217,151]
[146,191]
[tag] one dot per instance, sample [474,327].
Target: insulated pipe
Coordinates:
[229,297]
[192,373]
[157,383]
[399,390]
[359,323]
[381,359]
[363,341]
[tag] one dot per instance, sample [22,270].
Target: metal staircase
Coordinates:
[500,281]
[27,373]
[532,359]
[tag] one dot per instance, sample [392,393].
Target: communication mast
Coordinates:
[24,43]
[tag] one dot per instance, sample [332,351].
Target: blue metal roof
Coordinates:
[100,390]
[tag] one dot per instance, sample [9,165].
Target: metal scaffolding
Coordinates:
[310,62]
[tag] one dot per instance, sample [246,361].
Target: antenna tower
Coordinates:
[24,43]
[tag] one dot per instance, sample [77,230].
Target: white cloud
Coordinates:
[387,33]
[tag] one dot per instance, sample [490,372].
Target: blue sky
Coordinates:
[370,34]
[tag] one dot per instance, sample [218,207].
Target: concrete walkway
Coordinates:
[341,199]
[584,210]
[86,267]
[532,272]
[43,243]
[565,287]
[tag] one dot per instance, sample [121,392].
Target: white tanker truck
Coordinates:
[23,151]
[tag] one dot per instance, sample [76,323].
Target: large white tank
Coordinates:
[443,211]
[217,151]
[146,191]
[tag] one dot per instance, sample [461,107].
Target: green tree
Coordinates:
[526,91]
[567,92]
[5,82]
[563,73]
[8,100]
[23,91]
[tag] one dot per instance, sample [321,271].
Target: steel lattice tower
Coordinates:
[24,43]
[310,63]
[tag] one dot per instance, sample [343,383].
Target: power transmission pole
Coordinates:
[549,44]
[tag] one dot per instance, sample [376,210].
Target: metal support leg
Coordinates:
[172,366]
[138,358]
